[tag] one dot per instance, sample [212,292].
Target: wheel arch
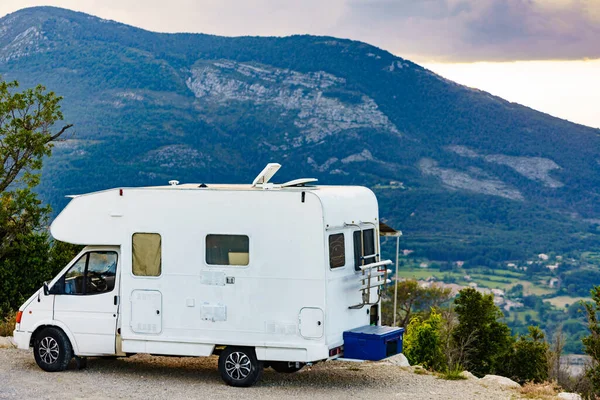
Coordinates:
[58,325]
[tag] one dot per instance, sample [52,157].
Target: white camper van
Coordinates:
[260,274]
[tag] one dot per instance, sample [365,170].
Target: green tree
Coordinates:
[489,339]
[591,343]
[27,119]
[412,298]
[528,359]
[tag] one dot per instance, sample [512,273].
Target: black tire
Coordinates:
[239,367]
[285,367]
[52,350]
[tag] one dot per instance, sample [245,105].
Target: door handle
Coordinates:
[116,299]
[157,312]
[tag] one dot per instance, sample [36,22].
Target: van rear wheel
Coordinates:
[239,366]
[52,350]
[286,367]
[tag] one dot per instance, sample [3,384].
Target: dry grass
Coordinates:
[544,390]
[417,369]
[7,325]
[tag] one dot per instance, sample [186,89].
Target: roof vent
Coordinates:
[299,182]
[266,174]
[173,182]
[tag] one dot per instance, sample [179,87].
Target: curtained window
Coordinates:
[147,254]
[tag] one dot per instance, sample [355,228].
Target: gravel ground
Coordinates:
[149,377]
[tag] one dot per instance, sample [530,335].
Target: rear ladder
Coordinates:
[375,274]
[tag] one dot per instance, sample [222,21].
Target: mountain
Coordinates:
[465,175]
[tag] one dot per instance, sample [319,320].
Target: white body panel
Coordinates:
[91,319]
[287,302]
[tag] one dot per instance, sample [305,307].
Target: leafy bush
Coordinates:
[23,268]
[528,359]
[423,342]
[30,260]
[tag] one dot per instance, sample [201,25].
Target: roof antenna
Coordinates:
[266,174]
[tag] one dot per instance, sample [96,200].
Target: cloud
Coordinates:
[521,29]
[441,30]
[468,30]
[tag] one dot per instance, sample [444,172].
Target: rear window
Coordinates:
[228,250]
[337,250]
[364,247]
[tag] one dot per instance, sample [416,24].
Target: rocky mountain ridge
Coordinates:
[474,174]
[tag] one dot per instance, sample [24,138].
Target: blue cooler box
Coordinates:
[372,342]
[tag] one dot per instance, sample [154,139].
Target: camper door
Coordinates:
[86,301]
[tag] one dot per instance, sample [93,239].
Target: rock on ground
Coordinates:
[569,396]
[399,360]
[499,381]
[468,375]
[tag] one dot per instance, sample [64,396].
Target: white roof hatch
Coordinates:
[266,174]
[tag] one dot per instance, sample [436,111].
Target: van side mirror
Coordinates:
[46,290]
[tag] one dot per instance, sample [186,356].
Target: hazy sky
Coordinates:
[446,35]
[566,89]
[441,30]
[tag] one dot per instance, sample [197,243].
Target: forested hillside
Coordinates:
[465,175]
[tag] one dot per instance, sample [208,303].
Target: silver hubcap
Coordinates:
[237,365]
[48,350]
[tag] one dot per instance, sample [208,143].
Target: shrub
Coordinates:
[7,324]
[453,373]
[528,358]
[30,261]
[423,342]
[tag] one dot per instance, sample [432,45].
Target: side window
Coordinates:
[101,272]
[94,273]
[74,279]
[364,247]
[227,250]
[146,254]
[337,250]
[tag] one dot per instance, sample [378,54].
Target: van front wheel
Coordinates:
[239,367]
[52,350]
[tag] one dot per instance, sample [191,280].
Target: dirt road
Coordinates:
[148,377]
